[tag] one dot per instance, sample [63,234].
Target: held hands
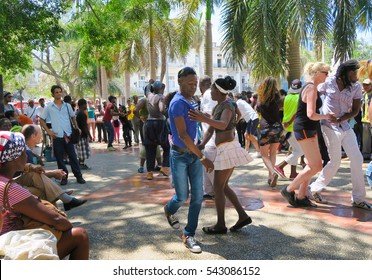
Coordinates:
[331,117]
[37,168]
[208,164]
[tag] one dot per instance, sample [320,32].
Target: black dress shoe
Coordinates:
[73,203]
[63,181]
[80,180]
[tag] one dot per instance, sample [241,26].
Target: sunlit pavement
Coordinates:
[125,219]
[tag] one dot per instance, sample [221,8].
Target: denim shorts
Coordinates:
[252,126]
[304,134]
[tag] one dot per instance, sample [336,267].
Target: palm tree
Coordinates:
[189,16]
[267,33]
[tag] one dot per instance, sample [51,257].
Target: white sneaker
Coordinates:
[363,205]
[191,244]
[258,155]
[318,198]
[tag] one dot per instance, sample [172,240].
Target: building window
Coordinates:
[219,63]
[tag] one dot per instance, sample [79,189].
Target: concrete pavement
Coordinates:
[125,219]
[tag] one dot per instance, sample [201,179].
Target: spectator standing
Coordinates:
[91,120]
[110,111]
[366,100]
[61,116]
[82,147]
[31,111]
[99,113]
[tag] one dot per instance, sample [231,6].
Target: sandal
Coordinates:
[212,230]
[241,224]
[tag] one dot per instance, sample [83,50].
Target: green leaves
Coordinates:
[26,25]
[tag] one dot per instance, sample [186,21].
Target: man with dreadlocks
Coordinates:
[343,98]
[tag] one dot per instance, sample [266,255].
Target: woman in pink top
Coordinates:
[13,158]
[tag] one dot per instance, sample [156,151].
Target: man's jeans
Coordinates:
[110,133]
[60,147]
[334,139]
[187,168]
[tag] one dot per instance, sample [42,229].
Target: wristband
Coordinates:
[27,167]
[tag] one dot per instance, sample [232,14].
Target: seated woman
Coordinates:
[229,153]
[74,241]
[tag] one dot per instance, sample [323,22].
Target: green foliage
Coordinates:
[26,25]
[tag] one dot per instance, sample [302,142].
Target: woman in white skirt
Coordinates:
[229,153]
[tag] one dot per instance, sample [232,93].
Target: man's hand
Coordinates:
[208,164]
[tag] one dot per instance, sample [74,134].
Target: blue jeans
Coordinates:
[110,133]
[187,168]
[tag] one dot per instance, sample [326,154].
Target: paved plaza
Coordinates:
[125,219]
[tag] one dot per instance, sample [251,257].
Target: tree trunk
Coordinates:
[163,68]
[126,84]
[152,51]
[104,83]
[208,50]
[293,59]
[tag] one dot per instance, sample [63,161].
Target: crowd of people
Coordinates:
[197,140]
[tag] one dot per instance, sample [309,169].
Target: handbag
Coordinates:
[75,133]
[29,223]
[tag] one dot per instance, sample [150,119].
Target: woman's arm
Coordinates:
[34,209]
[217,124]
[310,95]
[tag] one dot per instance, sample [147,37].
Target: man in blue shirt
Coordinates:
[186,158]
[59,113]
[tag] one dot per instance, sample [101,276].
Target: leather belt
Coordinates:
[181,150]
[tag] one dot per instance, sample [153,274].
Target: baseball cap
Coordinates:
[367,82]
[296,86]
[157,85]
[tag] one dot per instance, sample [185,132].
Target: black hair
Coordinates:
[28,131]
[82,102]
[226,83]
[67,99]
[111,97]
[55,87]
[186,71]
[344,68]
[9,114]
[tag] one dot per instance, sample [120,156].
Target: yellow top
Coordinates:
[131,114]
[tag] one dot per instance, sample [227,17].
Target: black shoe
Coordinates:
[208,196]
[73,203]
[84,167]
[157,168]
[80,180]
[305,202]
[289,196]
[63,181]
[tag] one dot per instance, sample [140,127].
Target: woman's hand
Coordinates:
[331,117]
[208,164]
[198,116]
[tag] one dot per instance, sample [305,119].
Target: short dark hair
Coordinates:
[28,131]
[9,114]
[186,71]
[111,97]
[55,87]
[82,102]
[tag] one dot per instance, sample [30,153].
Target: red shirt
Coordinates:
[16,194]
[107,116]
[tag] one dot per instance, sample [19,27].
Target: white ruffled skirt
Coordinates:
[231,154]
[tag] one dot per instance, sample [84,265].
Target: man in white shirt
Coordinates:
[206,106]
[31,111]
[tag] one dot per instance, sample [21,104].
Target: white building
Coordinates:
[220,70]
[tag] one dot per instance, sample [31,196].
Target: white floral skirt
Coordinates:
[231,154]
